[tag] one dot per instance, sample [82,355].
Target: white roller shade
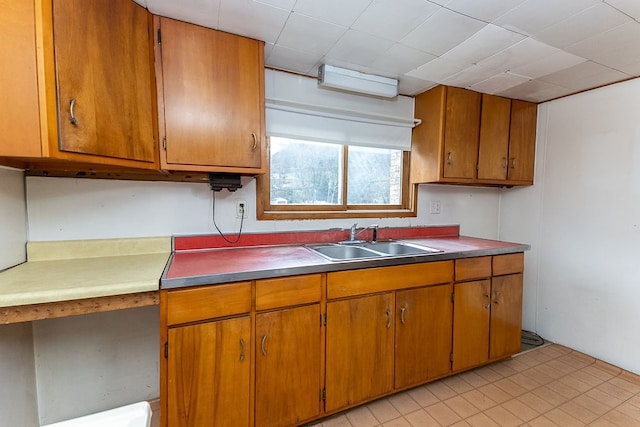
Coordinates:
[297,108]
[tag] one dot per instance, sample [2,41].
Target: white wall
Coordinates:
[13,221]
[68,209]
[583,220]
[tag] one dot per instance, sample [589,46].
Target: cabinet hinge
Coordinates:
[451,357]
[323,394]
[159,36]
[323,319]
[164,143]
[453,297]
[166,350]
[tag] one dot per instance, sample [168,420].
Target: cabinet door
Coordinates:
[494,138]
[462,124]
[471,312]
[103,65]
[213,97]
[423,334]
[359,354]
[19,113]
[287,366]
[506,315]
[209,374]
[522,141]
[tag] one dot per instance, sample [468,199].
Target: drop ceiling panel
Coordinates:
[485,10]
[337,12]
[615,48]
[252,19]
[394,19]
[442,31]
[499,83]
[521,53]
[309,35]
[400,59]
[535,91]
[583,76]
[292,60]
[533,16]
[201,12]
[549,64]
[359,48]
[630,7]
[588,23]
[489,40]
[469,76]
[437,70]
[412,86]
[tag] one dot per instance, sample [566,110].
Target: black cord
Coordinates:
[213,217]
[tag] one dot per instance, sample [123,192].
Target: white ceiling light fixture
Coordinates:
[357,82]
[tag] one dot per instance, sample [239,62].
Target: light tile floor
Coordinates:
[548,386]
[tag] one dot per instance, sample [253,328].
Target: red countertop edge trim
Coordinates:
[203,242]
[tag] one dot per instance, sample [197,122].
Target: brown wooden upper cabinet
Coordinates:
[472,138]
[78,84]
[210,99]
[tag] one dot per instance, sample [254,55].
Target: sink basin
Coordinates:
[338,252]
[344,252]
[400,248]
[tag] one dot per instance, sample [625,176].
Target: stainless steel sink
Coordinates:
[400,248]
[338,252]
[344,252]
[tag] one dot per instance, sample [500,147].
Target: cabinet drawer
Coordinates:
[357,282]
[473,268]
[287,291]
[192,305]
[508,264]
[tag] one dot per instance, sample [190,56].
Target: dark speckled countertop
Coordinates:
[194,265]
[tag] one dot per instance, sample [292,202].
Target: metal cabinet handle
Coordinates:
[243,349]
[513,163]
[388,318]
[72,105]
[497,294]
[488,301]
[402,310]
[449,158]
[505,163]
[255,141]
[264,340]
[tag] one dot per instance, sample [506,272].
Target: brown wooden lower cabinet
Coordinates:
[359,364]
[209,369]
[285,351]
[288,350]
[423,334]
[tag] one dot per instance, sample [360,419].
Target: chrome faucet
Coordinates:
[353,233]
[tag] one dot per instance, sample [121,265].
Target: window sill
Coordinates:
[383,213]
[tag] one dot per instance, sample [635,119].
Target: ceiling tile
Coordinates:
[437,70]
[584,76]
[292,60]
[590,22]
[484,10]
[337,12]
[630,7]
[268,47]
[499,83]
[486,42]
[201,12]
[442,31]
[468,77]
[309,35]
[521,53]
[549,64]
[533,16]
[282,4]
[252,19]
[616,48]
[411,86]
[535,91]
[358,48]
[394,19]
[400,59]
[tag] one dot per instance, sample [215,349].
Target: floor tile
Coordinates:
[423,396]
[494,393]
[441,390]
[579,412]
[535,402]
[510,387]
[503,417]
[404,403]
[398,422]
[625,384]
[563,419]
[615,390]
[383,410]
[443,414]
[482,420]
[457,384]
[597,402]
[362,417]
[479,399]
[461,406]
[421,418]
[520,410]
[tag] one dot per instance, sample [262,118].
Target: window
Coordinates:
[333,155]
[310,179]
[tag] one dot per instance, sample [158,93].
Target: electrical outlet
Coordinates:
[434,207]
[242,210]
